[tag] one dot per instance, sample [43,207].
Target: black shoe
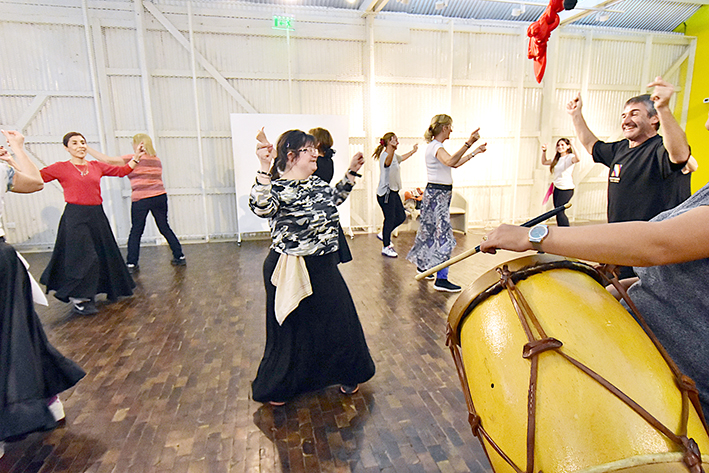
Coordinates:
[349,389]
[181,261]
[133,268]
[445,285]
[430,277]
[84,308]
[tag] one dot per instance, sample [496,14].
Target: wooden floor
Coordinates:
[169,373]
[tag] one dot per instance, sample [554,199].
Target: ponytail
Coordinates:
[437,124]
[382,144]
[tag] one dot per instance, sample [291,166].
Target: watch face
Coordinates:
[538,232]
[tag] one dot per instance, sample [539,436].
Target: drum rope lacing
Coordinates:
[542,343]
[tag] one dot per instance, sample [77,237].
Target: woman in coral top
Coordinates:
[86,260]
[149,195]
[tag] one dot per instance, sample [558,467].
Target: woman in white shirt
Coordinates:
[562,167]
[434,239]
[389,187]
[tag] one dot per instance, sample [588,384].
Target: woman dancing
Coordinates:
[86,260]
[32,371]
[325,171]
[562,167]
[313,335]
[434,239]
[389,187]
[148,195]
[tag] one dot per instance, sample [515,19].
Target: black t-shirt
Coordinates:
[642,181]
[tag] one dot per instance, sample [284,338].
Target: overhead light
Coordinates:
[602,16]
[405,2]
[518,11]
[440,5]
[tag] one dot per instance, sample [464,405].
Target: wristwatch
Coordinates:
[536,234]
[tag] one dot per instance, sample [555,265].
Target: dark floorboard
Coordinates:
[169,373]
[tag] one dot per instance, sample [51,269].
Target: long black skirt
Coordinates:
[320,343]
[86,260]
[31,369]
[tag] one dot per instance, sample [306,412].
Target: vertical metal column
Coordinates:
[200,150]
[144,74]
[369,94]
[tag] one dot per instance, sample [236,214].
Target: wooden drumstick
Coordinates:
[475,250]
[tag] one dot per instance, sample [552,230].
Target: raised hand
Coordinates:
[574,106]
[357,161]
[662,92]
[14,138]
[261,137]
[474,136]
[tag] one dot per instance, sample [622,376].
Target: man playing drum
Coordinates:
[671,259]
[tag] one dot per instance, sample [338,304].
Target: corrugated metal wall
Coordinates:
[419,67]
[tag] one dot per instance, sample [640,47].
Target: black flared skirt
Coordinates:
[320,343]
[31,369]
[86,260]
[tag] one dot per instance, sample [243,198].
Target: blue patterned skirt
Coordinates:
[434,239]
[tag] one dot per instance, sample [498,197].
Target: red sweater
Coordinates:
[146,179]
[78,189]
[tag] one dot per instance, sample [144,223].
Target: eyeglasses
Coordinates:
[309,149]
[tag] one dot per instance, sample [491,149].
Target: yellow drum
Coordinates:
[559,377]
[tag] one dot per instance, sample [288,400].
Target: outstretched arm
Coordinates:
[116,161]
[27,177]
[625,243]
[583,132]
[672,135]
[459,158]
[406,156]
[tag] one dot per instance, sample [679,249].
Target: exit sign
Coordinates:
[283,23]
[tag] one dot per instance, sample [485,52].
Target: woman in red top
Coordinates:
[149,195]
[86,260]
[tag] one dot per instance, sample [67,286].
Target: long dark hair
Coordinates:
[555,161]
[290,141]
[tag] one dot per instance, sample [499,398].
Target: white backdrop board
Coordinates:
[245,126]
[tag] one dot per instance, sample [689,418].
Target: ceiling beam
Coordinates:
[592,5]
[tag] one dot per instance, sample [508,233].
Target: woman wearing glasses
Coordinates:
[313,335]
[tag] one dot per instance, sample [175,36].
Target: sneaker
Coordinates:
[380,236]
[133,268]
[389,251]
[56,408]
[349,389]
[181,261]
[445,285]
[84,307]
[430,277]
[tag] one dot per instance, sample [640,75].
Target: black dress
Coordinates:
[86,260]
[31,369]
[320,343]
